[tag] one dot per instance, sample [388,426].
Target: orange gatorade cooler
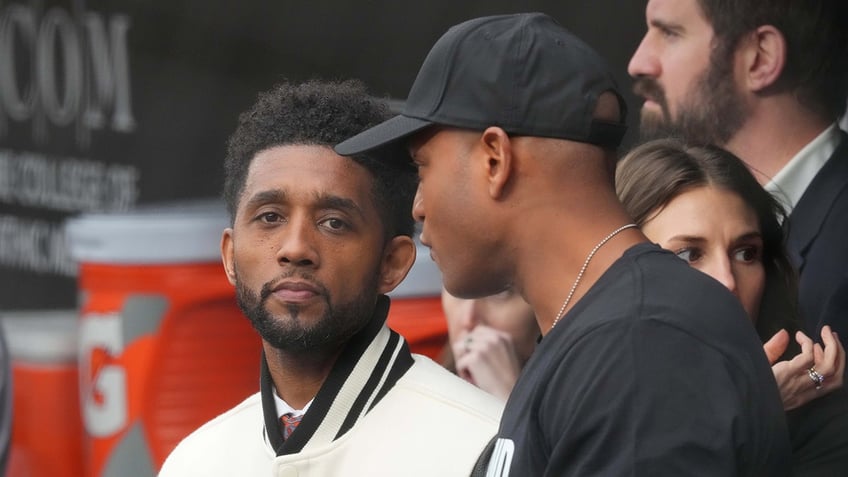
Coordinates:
[416,310]
[163,346]
[47,435]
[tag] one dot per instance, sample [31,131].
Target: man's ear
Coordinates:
[763,56]
[496,145]
[227,255]
[398,257]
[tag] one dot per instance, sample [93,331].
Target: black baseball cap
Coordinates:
[524,73]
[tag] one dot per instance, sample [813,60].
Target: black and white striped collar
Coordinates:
[368,367]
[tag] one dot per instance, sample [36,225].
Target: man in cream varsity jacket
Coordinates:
[315,243]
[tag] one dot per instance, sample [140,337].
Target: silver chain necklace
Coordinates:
[582,270]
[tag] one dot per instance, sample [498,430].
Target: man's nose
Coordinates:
[644,61]
[297,243]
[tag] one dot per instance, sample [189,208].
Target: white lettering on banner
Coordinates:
[34,245]
[111,73]
[103,383]
[66,184]
[58,24]
[70,71]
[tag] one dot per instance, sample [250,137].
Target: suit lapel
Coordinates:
[809,215]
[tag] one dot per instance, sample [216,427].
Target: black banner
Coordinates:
[105,105]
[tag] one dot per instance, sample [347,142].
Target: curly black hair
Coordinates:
[322,113]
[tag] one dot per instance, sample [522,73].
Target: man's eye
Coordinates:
[270,217]
[335,224]
[668,32]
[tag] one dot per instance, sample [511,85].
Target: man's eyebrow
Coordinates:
[331,201]
[266,197]
[666,26]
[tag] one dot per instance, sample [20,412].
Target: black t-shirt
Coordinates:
[655,371]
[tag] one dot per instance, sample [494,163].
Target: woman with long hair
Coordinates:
[703,204]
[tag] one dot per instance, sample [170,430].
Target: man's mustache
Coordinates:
[648,88]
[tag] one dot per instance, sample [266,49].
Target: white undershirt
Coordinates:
[789,184]
[283,407]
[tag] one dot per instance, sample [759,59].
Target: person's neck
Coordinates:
[773,134]
[557,248]
[298,376]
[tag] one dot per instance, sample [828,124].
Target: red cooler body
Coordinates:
[47,434]
[163,347]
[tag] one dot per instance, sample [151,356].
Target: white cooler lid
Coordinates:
[48,336]
[183,232]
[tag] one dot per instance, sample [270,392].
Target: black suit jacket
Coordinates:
[817,241]
[819,434]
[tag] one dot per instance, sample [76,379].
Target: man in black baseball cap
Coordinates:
[522,73]
[646,366]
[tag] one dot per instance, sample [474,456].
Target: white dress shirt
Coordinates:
[284,408]
[789,184]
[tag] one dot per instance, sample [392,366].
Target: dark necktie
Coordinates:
[290,422]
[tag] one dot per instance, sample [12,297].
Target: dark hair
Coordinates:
[324,114]
[653,174]
[816,67]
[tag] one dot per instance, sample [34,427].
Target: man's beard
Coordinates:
[712,112]
[289,333]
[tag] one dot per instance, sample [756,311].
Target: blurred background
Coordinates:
[113,121]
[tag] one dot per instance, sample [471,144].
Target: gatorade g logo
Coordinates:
[106,339]
[501,459]
[104,382]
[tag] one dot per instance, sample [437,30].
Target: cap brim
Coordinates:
[380,135]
